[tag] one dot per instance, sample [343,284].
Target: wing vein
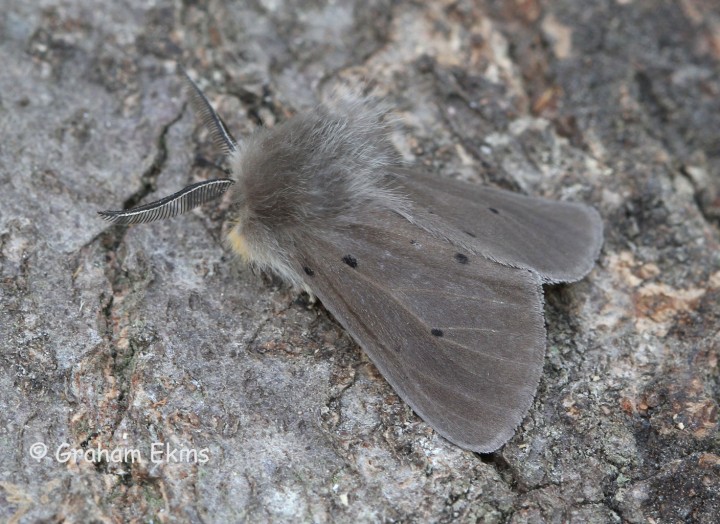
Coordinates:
[450,293]
[423,323]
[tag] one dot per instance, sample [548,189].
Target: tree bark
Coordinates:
[153,342]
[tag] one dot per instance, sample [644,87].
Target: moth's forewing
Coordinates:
[558,240]
[459,337]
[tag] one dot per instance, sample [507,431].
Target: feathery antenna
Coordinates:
[170,206]
[221,137]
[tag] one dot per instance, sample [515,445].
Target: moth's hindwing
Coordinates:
[558,240]
[459,337]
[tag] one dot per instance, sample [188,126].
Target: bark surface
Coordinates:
[117,338]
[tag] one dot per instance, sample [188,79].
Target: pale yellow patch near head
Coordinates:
[238,243]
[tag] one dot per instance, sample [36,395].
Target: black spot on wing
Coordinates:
[492,209]
[436,332]
[309,271]
[462,259]
[468,233]
[303,300]
[350,260]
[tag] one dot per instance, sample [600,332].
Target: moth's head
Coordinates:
[318,170]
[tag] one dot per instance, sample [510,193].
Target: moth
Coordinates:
[438,280]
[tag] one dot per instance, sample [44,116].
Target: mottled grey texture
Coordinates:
[117,337]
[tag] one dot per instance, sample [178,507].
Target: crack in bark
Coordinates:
[113,236]
[149,178]
[121,356]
